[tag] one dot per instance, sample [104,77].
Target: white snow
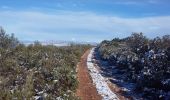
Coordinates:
[37,97]
[100,82]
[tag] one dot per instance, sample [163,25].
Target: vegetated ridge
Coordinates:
[37,71]
[142,63]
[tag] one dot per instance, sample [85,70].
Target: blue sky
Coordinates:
[84,20]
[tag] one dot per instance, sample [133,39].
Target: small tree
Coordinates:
[166,41]
[7,41]
[137,40]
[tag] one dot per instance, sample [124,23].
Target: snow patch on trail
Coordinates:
[100,82]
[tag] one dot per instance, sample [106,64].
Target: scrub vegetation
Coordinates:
[37,71]
[143,61]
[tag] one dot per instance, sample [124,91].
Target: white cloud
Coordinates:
[5,7]
[91,26]
[73,39]
[136,2]
[153,1]
[128,3]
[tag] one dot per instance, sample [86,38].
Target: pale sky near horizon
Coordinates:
[84,20]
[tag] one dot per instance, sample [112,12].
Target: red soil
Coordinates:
[86,89]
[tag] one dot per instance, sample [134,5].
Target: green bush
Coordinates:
[146,62]
[47,72]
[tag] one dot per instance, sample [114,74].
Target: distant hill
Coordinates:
[59,43]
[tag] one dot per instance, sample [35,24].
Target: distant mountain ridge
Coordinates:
[59,43]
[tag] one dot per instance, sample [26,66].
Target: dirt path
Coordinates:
[86,90]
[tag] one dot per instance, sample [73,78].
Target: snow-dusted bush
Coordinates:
[37,71]
[143,61]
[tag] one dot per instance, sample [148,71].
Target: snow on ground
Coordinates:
[100,82]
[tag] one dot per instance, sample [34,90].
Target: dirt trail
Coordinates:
[86,90]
